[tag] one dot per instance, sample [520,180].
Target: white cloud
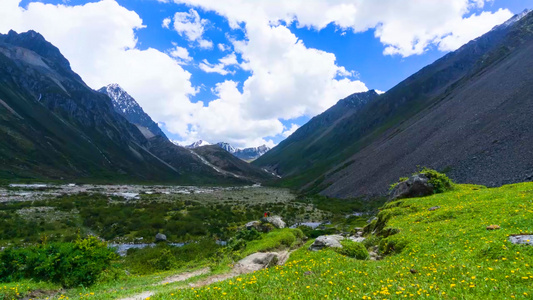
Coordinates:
[205,44]
[192,26]
[288,131]
[166,23]
[404,27]
[220,68]
[180,53]
[223,47]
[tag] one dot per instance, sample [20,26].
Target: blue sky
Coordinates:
[375,50]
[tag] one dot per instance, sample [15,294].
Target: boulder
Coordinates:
[253,224]
[524,239]
[160,238]
[434,208]
[275,220]
[417,185]
[327,241]
[256,262]
[357,239]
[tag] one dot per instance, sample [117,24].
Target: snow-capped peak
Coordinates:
[227,147]
[197,144]
[514,19]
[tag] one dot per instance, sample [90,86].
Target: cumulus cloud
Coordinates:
[166,23]
[404,27]
[220,68]
[288,131]
[180,53]
[190,25]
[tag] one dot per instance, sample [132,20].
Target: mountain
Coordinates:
[227,162]
[303,149]
[467,114]
[197,144]
[246,154]
[227,147]
[249,154]
[126,106]
[54,127]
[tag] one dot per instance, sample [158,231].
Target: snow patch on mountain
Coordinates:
[197,144]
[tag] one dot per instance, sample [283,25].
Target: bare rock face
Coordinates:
[256,262]
[327,241]
[416,186]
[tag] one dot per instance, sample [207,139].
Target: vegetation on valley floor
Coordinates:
[440,254]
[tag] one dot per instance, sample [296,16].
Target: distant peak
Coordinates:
[513,19]
[199,143]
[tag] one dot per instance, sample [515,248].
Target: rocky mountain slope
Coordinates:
[227,162]
[304,148]
[466,114]
[252,153]
[125,105]
[246,154]
[53,126]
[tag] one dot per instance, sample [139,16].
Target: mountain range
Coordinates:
[246,154]
[466,114]
[54,127]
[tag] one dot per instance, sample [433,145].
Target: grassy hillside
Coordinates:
[443,254]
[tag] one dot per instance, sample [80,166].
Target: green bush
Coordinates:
[440,181]
[352,249]
[69,264]
[164,257]
[248,234]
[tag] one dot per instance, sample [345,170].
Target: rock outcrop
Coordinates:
[256,262]
[326,241]
[417,185]
[277,221]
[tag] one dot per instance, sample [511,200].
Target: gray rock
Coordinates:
[276,221]
[416,186]
[253,224]
[256,262]
[357,239]
[524,239]
[326,241]
[160,238]
[434,208]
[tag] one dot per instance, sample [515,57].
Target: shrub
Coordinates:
[440,181]
[164,257]
[69,264]
[352,249]
[248,234]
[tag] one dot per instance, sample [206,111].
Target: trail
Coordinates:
[237,270]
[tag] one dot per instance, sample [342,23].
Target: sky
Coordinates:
[251,72]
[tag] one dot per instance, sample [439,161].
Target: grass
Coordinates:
[277,239]
[444,254]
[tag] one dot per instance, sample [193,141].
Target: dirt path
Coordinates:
[237,270]
[171,279]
